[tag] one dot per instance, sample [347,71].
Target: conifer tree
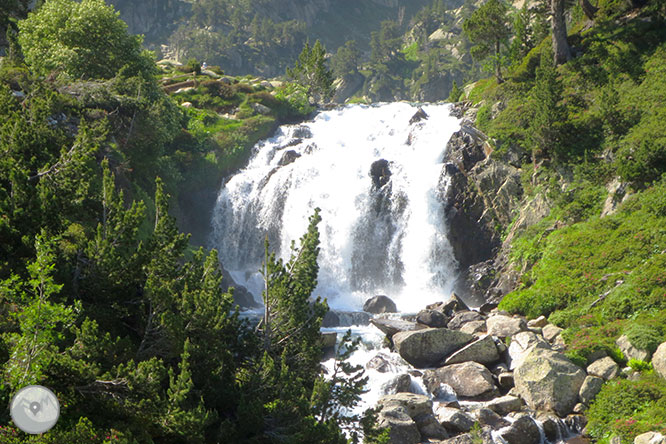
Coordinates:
[310,71]
[488,29]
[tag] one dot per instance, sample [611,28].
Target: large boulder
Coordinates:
[381,362]
[489,418]
[604,368]
[392,326]
[522,431]
[659,360]
[402,428]
[504,404]
[550,332]
[428,347]
[414,404]
[380,304]
[400,384]
[520,345]
[463,317]
[454,420]
[547,380]
[432,318]
[503,326]
[468,380]
[483,351]
[430,428]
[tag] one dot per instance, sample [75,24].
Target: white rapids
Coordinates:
[389,241]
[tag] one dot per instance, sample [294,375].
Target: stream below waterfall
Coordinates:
[376,172]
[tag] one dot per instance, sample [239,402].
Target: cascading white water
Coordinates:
[374,240]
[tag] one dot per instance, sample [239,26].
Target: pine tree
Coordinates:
[310,71]
[488,29]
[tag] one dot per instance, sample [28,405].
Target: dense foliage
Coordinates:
[102,298]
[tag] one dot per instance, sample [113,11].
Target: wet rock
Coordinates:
[243,298]
[503,326]
[547,380]
[430,428]
[473,327]
[454,420]
[504,405]
[580,408]
[482,351]
[302,132]
[462,317]
[631,352]
[428,347]
[381,363]
[522,431]
[659,360]
[432,318]
[469,379]
[453,305]
[380,173]
[553,427]
[418,116]
[392,326]
[380,304]
[399,384]
[550,332]
[604,368]
[288,157]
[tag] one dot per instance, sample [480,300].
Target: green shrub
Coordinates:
[639,366]
[644,337]
[628,408]
[217,89]
[193,65]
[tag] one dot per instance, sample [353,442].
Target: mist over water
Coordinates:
[374,240]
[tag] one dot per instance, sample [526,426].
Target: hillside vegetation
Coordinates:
[590,133]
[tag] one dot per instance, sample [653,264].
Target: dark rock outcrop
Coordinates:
[379,304]
[288,157]
[380,173]
[418,116]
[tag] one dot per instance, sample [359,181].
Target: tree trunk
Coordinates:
[498,72]
[588,8]
[561,49]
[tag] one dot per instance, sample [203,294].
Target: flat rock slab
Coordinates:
[483,351]
[504,405]
[414,404]
[430,346]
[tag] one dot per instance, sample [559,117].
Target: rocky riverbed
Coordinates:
[483,376]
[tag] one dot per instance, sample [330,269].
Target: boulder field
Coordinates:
[511,379]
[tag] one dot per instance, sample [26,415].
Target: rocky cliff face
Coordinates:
[155,19]
[483,197]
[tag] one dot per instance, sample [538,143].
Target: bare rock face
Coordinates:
[547,380]
[468,380]
[430,346]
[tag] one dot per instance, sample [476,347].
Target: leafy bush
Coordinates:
[639,366]
[81,39]
[644,337]
[628,408]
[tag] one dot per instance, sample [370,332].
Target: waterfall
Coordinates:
[381,233]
